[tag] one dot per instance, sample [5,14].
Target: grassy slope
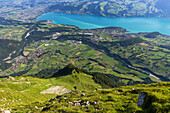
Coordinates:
[81,80]
[25,90]
[157,100]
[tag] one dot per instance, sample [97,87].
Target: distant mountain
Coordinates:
[30,9]
[116,8]
[164,5]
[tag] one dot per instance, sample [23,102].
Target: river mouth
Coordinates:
[132,24]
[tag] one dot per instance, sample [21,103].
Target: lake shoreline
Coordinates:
[145,24]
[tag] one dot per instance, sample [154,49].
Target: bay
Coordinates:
[132,24]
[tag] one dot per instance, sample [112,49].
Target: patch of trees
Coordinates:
[146,81]
[38,35]
[45,73]
[4,65]
[4,21]
[165,46]
[7,47]
[60,29]
[97,62]
[152,35]
[126,42]
[109,29]
[45,35]
[157,75]
[21,73]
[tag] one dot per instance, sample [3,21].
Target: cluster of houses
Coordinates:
[31,56]
[74,42]
[14,37]
[23,60]
[49,44]
[25,14]
[2,37]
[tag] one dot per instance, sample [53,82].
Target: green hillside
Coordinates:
[118,100]
[113,8]
[80,92]
[17,91]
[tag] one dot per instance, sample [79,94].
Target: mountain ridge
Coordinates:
[29,10]
[111,8]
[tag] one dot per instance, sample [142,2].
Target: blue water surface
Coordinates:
[133,24]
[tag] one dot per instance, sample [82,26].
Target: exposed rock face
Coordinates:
[81,103]
[59,90]
[4,111]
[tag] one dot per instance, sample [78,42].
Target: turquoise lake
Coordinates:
[132,24]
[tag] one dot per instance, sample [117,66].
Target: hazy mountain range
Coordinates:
[116,8]
[113,8]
